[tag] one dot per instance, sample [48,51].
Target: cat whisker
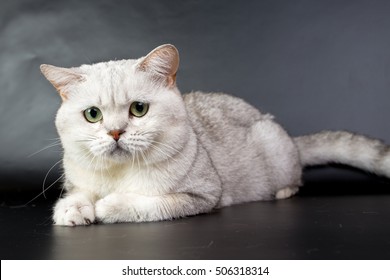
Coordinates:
[133,157]
[53,139]
[139,165]
[47,174]
[106,166]
[164,154]
[41,193]
[99,167]
[145,161]
[62,189]
[174,150]
[161,152]
[180,165]
[84,140]
[95,166]
[57,143]
[87,139]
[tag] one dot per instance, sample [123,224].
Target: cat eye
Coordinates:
[139,109]
[93,115]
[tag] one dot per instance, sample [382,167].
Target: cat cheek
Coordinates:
[136,122]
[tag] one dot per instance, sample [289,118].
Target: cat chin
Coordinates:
[119,155]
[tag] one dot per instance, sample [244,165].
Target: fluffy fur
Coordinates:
[187,155]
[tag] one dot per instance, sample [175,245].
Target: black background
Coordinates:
[313,64]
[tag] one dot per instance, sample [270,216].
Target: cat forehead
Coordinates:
[115,82]
[109,67]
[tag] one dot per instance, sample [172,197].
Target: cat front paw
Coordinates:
[116,208]
[74,210]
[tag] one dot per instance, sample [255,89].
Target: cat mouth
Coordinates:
[118,151]
[121,152]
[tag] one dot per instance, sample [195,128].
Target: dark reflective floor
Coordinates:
[331,220]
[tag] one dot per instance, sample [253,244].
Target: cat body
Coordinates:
[137,150]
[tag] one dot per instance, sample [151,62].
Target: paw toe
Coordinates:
[70,212]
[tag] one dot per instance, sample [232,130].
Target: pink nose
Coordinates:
[116,133]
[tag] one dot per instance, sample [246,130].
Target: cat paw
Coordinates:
[286,193]
[116,208]
[73,211]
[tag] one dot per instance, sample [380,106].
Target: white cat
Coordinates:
[136,150]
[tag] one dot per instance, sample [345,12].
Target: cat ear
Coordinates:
[61,78]
[163,62]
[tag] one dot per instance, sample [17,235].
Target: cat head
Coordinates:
[117,111]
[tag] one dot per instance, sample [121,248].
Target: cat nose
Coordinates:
[116,133]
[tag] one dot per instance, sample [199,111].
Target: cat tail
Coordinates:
[347,148]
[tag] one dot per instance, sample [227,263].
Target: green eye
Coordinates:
[138,109]
[93,115]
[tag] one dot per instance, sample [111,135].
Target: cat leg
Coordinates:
[286,192]
[74,209]
[130,207]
